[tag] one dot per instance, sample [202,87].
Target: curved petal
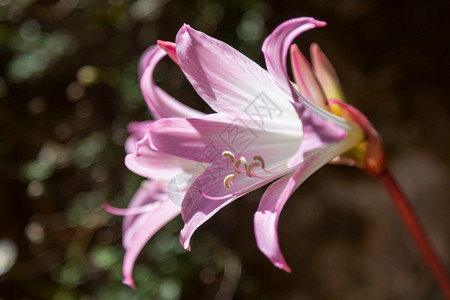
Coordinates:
[149,193]
[130,143]
[207,195]
[144,60]
[307,84]
[130,210]
[226,79]
[318,124]
[142,230]
[273,200]
[137,130]
[373,153]
[170,49]
[276,47]
[149,210]
[161,104]
[138,127]
[326,74]
[317,132]
[149,163]
[205,139]
[266,218]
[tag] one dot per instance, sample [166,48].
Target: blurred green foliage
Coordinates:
[69,86]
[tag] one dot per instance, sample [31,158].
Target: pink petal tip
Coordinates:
[320,23]
[170,48]
[108,208]
[184,242]
[283,267]
[129,282]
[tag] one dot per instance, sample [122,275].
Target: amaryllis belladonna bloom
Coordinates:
[263,130]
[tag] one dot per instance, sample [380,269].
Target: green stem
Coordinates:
[415,228]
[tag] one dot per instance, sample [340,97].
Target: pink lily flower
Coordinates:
[152,206]
[264,130]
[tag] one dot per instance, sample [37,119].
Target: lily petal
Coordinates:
[276,47]
[158,165]
[149,226]
[324,126]
[170,49]
[374,154]
[137,130]
[139,229]
[205,139]
[266,218]
[130,210]
[326,74]
[225,78]
[307,84]
[276,195]
[144,60]
[317,133]
[148,194]
[207,196]
[161,104]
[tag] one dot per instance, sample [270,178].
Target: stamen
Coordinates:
[227,181]
[240,166]
[229,154]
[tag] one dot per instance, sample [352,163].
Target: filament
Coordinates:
[236,186]
[228,196]
[236,166]
[132,210]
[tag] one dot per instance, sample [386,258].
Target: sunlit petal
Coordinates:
[326,74]
[276,47]
[226,79]
[307,84]
[161,104]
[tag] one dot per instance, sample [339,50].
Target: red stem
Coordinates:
[415,228]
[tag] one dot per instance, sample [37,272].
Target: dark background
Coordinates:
[68,88]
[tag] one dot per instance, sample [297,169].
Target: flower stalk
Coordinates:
[416,230]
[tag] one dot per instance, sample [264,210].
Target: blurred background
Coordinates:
[68,88]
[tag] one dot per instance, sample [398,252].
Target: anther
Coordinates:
[250,168]
[244,162]
[261,160]
[227,181]
[229,154]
